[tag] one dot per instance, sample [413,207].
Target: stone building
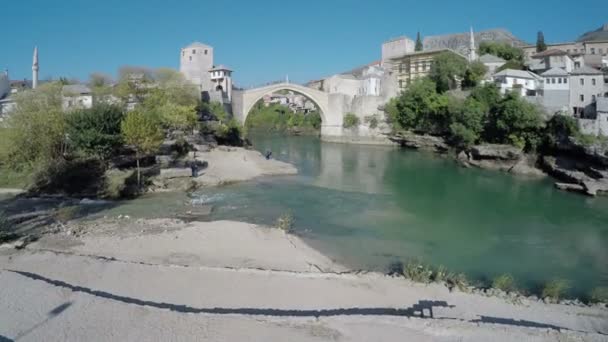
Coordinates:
[409,67]
[549,59]
[586,86]
[597,125]
[221,82]
[555,90]
[196,60]
[397,47]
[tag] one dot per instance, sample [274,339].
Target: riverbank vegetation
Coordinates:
[483,116]
[280,118]
[48,148]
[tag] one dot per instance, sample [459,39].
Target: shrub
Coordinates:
[418,272]
[599,294]
[96,131]
[286,222]
[350,120]
[556,289]
[229,133]
[4,223]
[505,282]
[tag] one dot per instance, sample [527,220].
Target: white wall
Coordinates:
[506,84]
[79,101]
[195,64]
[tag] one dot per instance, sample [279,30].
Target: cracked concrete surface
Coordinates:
[229,281]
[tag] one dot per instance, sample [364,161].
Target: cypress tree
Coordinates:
[540,42]
[418,42]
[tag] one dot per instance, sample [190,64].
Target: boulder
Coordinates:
[576,175]
[422,142]
[496,151]
[175,173]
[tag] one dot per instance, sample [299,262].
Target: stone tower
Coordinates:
[35,69]
[196,60]
[472,51]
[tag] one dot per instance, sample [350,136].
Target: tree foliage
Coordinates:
[474,74]
[422,108]
[178,117]
[418,42]
[278,117]
[96,131]
[141,131]
[446,70]
[540,42]
[35,131]
[351,120]
[502,50]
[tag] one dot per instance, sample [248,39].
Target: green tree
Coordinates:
[515,121]
[468,121]
[142,133]
[34,133]
[446,70]
[502,50]
[421,108]
[96,131]
[511,65]
[418,42]
[178,117]
[474,74]
[558,129]
[488,94]
[540,42]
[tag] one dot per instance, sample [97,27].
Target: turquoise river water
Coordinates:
[366,206]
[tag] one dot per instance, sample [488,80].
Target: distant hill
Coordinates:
[460,41]
[599,34]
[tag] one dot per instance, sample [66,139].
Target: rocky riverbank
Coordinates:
[153,279]
[576,167]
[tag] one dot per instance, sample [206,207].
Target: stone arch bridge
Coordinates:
[330,105]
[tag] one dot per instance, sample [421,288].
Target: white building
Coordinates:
[221,80]
[196,60]
[523,82]
[586,86]
[555,90]
[76,96]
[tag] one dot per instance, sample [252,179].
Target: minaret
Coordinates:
[35,69]
[472,53]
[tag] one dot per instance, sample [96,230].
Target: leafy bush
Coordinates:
[558,129]
[229,133]
[140,130]
[556,289]
[35,130]
[350,120]
[505,282]
[446,69]
[96,131]
[502,50]
[421,108]
[178,117]
[286,222]
[79,177]
[600,294]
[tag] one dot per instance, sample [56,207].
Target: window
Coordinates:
[582,81]
[593,81]
[565,80]
[190,58]
[577,64]
[548,81]
[593,51]
[400,83]
[582,97]
[559,80]
[205,52]
[193,51]
[593,98]
[575,50]
[601,51]
[401,68]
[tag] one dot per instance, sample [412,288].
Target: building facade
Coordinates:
[555,90]
[586,86]
[397,47]
[221,81]
[523,82]
[409,67]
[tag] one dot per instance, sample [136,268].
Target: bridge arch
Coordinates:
[248,98]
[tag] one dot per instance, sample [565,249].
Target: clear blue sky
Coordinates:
[260,40]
